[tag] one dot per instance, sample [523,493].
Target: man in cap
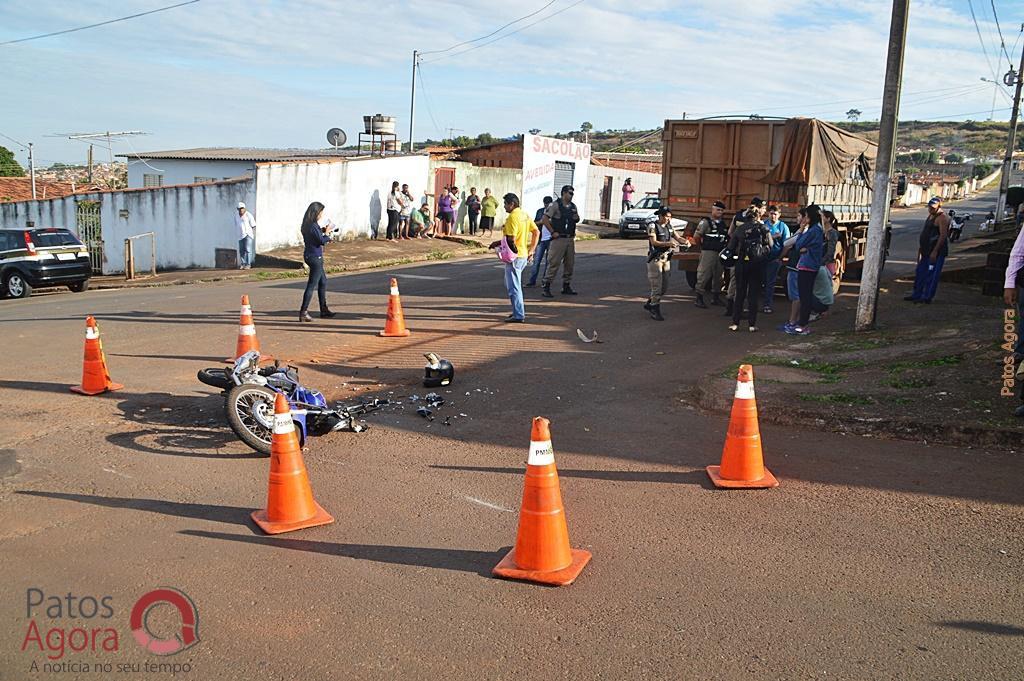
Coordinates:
[661,239]
[931,254]
[711,236]
[756,208]
[245,223]
[561,218]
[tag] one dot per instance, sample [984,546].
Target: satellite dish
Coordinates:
[336,137]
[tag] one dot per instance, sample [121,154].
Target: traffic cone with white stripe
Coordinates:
[247,339]
[742,460]
[542,553]
[95,377]
[290,504]
[394,327]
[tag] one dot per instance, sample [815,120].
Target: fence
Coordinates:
[129,254]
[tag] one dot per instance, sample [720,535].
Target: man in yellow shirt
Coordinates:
[520,235]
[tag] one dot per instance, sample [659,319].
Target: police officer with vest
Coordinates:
[560,218]
[711,236]
[660,239]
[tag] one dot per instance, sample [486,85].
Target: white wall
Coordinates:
[500,181]
[643,182]
[190,222]
[185,171]
[354,193]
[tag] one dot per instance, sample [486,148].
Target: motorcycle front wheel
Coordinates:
[250,413]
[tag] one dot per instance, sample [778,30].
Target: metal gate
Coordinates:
[87,217]
[563,175]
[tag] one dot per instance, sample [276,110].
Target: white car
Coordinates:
[639,217]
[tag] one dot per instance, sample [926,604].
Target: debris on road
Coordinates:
[583,337]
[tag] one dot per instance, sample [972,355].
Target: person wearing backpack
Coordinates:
[752,243]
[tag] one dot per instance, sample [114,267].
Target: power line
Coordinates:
[474,40]
[22,144]
[1002,42]
[510,33]
[981,40]
[102,23]
[426,99]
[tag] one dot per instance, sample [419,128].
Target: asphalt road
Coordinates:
[873,559]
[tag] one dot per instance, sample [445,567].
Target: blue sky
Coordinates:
[279,73]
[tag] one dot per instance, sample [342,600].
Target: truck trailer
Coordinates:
[789,163]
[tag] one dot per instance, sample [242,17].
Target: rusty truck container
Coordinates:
[789,163]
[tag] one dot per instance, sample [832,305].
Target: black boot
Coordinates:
[647,304]
[327,314]
[728,307]
[717,300]
[656,312]
[547,291]
[567,290]
[700,302]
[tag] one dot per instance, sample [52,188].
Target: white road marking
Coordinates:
[487,504]
[424,276]
[123,475]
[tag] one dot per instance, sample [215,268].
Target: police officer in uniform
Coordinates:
[711,236]
[560,218]
[660,239]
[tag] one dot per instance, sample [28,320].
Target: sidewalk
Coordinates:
[344,256]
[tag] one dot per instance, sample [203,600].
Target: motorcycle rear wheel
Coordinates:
[250,413]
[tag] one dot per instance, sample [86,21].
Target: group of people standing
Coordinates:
[407,221]
[752,250]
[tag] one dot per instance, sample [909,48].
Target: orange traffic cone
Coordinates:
[290,504]
[742,461]
[542,553]
[95,377]
[247,339]
[394,327]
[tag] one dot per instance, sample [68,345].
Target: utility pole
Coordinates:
[32,170]
[90,164]
[1011,142]
[412,100]
[867,302]
[451,134]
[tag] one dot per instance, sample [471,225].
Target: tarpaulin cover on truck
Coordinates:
[816,152]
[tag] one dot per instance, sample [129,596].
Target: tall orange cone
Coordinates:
[542,553]
[742,461]
[290,504]
[95,377]
[247,339]
[394,327]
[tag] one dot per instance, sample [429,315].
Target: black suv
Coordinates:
[51,256]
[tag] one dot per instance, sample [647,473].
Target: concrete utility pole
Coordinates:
[32,170]
[867,302]
[412,100]
[90,164]
[1011,142]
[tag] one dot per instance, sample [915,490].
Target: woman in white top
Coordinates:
[394,208]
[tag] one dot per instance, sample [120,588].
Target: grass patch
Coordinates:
[287,274]
[830,372]
[439,255]
[854,344]
[849,399]
[909,382]
[948,360]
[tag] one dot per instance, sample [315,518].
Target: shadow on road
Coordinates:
[232,515]
[675,477]
[41,386]
[984,627]
[463,560]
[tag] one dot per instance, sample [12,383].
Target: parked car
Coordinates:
[640,216]
[50,256]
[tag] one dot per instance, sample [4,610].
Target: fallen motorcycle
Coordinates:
[250,392]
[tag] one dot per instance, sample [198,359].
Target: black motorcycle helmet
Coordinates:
[438,372]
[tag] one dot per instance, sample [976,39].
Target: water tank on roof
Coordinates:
[383,124]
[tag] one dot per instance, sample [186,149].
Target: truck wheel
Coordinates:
[15,285]
[837,278]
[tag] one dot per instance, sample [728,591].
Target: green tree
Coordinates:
[853,115]
[982,170]
[586,126]
[953,158]
[485,138]
[9,166]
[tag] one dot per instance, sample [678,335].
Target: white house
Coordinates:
[209,164]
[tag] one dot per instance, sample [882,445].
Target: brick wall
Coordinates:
[502,155]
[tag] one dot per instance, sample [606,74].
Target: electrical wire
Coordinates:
[495,32]
[102,23]
[1002,43]
[426,99]
[22,144]
[981,40]
[510,33]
